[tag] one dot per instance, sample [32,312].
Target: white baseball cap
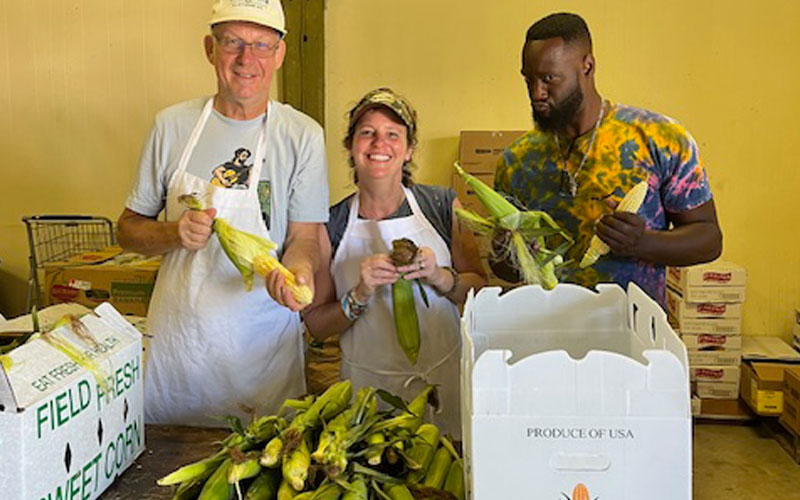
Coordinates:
[267,13]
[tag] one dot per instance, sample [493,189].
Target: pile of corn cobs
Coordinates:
[331,449]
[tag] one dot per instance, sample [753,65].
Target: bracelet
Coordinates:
[454,274]
[351,307]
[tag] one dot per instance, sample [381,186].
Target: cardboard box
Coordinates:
[682,310]
[765,348]
[725,409]
[790,417]
[713,326]
[552,398]
[716,294]
[710,373]
[707,342]
[717,390]
[466,195]
[63,436]
[714,358]
[480,149]
[717,273]
[125,280]
[762,387]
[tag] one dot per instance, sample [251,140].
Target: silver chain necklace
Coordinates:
[568,180]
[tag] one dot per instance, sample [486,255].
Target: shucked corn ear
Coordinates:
[631,202]
[251,254]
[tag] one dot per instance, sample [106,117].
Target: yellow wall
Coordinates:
[80,81]
[725,69]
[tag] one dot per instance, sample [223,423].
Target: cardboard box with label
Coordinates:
[706,342]
[762,387]
[711,373]
[554,399]
[478,153]
[125,280]
[66,432]
[714,326]
[715,357]
[717,281]
[682,310]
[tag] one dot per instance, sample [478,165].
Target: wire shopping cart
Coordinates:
[58,237]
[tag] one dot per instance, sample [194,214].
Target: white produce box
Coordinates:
[61,437]
[571,387]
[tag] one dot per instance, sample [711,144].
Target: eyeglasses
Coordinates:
[236,46]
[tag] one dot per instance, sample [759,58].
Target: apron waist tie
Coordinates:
[411,376]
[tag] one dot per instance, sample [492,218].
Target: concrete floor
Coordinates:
[742,462]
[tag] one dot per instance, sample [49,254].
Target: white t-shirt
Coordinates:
[293,184]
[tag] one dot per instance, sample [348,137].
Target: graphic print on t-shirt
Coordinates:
[264,192]
[234,173]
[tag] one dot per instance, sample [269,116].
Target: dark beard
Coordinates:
[562,114]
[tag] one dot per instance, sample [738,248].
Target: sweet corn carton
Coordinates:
[67,433]
[571,393]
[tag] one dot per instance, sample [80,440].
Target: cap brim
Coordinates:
[227,19]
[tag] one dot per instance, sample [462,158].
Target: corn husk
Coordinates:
[523,230]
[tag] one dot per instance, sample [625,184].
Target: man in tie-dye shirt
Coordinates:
[587,152]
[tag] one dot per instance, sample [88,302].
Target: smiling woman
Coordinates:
[357,280]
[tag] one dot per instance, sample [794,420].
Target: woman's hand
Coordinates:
[425,267]
[376,270]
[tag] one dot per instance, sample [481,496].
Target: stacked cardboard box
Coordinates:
[479,151]
[705,306]
[796,330]
[109,275]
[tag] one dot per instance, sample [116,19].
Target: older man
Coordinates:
[587,152]
[217,349]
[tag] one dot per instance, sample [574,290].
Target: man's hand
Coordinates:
[621,231]
[276,286]
[194,228]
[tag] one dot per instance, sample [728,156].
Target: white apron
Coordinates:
[216,348]
[371,355]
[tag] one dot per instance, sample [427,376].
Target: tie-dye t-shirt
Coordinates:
[631,145]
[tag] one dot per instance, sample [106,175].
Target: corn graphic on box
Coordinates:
[68,431]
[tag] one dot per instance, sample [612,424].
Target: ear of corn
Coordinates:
[398,492]
[631,202]
[285,491]
[243,466]
[217,487]
[425,442]
[454,483]
[357,490]
[296,464]
[405,319]
[271,455]
[264,486]
[496,204]
[251,255]
[375,451]
[440,465]
[192,471]
[523,229]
